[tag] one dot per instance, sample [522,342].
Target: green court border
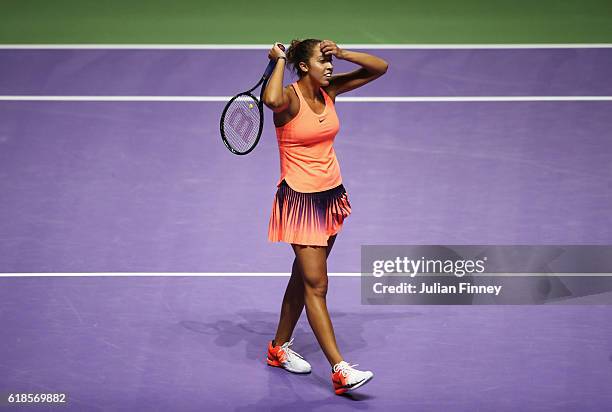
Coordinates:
[265,21]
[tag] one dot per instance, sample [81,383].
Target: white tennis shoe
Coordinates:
[284,357]
[345,378]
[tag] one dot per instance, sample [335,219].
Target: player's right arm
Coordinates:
[275,97]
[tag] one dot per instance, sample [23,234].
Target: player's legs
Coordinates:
[293,301]
[291,308]
[312,262]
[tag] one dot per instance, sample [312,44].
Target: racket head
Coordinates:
[241,123]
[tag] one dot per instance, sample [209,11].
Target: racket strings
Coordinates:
[241,123]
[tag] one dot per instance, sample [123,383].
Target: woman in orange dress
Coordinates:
[311,203]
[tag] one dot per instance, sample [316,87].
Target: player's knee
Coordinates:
[318,289]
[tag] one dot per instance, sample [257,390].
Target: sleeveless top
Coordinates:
[308,161]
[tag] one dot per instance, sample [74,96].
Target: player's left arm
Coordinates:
[372,67]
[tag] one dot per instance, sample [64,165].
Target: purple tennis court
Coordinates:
[96,188]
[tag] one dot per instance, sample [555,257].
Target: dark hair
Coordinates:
[300,51]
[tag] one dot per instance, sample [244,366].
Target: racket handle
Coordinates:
[269,69]
[272,63]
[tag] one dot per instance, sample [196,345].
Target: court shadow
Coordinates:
[355,333]
[231,332]
[356,396]
[302,392]
[256,328]
[301,404]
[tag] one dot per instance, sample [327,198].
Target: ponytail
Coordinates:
[300,51]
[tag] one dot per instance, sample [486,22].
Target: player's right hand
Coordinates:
[276,51]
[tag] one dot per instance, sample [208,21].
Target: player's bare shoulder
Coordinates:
[284,117]
[331,90]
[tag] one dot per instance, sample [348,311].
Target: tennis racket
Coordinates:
[242,118]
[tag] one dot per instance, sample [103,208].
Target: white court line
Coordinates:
[356,99]
[255,274]
[347,46]
[159,274]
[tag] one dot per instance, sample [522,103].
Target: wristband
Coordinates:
[281,57]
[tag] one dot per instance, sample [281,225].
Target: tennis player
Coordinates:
[311,203]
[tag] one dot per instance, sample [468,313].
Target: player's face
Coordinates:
[320,67]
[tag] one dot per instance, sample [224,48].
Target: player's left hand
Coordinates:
[328,47]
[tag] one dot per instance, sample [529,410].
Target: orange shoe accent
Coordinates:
[345,378]
[276,355]
[284,357]
[339,382]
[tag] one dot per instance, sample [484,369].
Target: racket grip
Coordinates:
[272,63]
[269,69]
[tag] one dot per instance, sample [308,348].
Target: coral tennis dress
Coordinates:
[311,203]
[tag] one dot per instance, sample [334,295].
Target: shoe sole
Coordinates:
[341,391]
[277,364]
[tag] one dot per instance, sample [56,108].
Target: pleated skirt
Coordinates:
[307,218]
